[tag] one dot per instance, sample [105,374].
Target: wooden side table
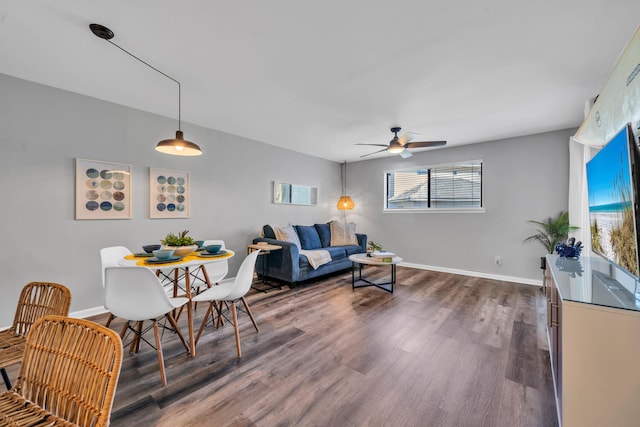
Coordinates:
[265,249]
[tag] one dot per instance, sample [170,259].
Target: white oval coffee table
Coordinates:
[359,260]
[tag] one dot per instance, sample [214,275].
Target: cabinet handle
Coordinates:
[549,323]
[554,322]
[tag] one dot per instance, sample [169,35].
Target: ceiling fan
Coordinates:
[399,145]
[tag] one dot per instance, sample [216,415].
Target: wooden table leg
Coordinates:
[192,341]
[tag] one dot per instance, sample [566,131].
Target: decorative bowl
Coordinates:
[213,249]
[163,253]
[200,243]
[150,248]
[181,251]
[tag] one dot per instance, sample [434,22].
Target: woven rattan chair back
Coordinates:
[69,374]
[37,299]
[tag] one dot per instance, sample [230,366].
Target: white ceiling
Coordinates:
[318,77]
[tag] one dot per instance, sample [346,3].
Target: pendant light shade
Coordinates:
[344,203]
[178,146]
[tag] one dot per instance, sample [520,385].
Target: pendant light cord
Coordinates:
[164,74]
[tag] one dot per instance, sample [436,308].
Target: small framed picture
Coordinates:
[168,193]
[103,190]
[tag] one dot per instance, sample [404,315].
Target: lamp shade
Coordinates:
[178,146]
[345,203]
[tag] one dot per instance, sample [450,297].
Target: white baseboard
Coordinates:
[473,273]
[83,314]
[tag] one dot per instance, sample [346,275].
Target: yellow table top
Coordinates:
[194,256]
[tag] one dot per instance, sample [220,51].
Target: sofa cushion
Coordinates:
[287,234]
[353,249]
[268,232]
[336,252]
[309,238]
[343,234]
[324,232]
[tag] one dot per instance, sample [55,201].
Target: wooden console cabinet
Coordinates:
[593,325]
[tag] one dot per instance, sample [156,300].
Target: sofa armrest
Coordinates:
[281,264]
[362,241]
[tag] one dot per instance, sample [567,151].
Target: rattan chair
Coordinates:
[68,375]
[37,299]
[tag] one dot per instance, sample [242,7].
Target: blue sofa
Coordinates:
[289,266]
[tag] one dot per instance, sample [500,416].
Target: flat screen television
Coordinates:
[612,182]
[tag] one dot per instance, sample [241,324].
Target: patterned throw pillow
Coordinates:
[287,234]
[343,234]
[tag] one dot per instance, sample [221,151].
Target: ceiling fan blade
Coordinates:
[375,152]
[405,154]
[423,144]
[375,145]
[407,137]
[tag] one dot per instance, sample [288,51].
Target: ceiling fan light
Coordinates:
[178,146]
[345,203]
[395,148]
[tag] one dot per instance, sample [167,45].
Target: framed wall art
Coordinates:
[103,190]
[168,193]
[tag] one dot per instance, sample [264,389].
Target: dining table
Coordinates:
[183,267]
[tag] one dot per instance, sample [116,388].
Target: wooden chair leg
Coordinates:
[156,332]
[235,326]
[124,329]
[111,317]
[174,324]
[246,307]
[135,345]
[5,377]
[204,321]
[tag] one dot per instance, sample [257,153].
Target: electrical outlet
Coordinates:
[498,260]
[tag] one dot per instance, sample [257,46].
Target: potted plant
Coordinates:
[373,247]
[180,243]
[551,231]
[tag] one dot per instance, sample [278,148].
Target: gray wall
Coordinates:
[524,178]
[44,129]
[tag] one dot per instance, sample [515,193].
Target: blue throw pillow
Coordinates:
[268,232]
[309,238]
[324,231]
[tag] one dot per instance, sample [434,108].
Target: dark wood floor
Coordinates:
[443,350]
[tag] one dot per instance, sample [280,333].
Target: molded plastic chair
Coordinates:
[37,299]
[230,290]
[136,294]
[109,258]
[212,273]
[68,376]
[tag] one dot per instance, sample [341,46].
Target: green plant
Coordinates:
[373,246]
[552,231]
[180,240]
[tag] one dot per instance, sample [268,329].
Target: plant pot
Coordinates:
[181,251]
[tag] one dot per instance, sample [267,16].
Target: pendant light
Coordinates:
[177,146]
[344,203]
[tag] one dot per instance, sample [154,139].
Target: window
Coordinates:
[453,186]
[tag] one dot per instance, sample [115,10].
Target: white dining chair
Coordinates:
[109,257]
[202,276]
[231,291]
[136,294]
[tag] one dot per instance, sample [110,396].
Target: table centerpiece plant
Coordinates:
[181,243]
